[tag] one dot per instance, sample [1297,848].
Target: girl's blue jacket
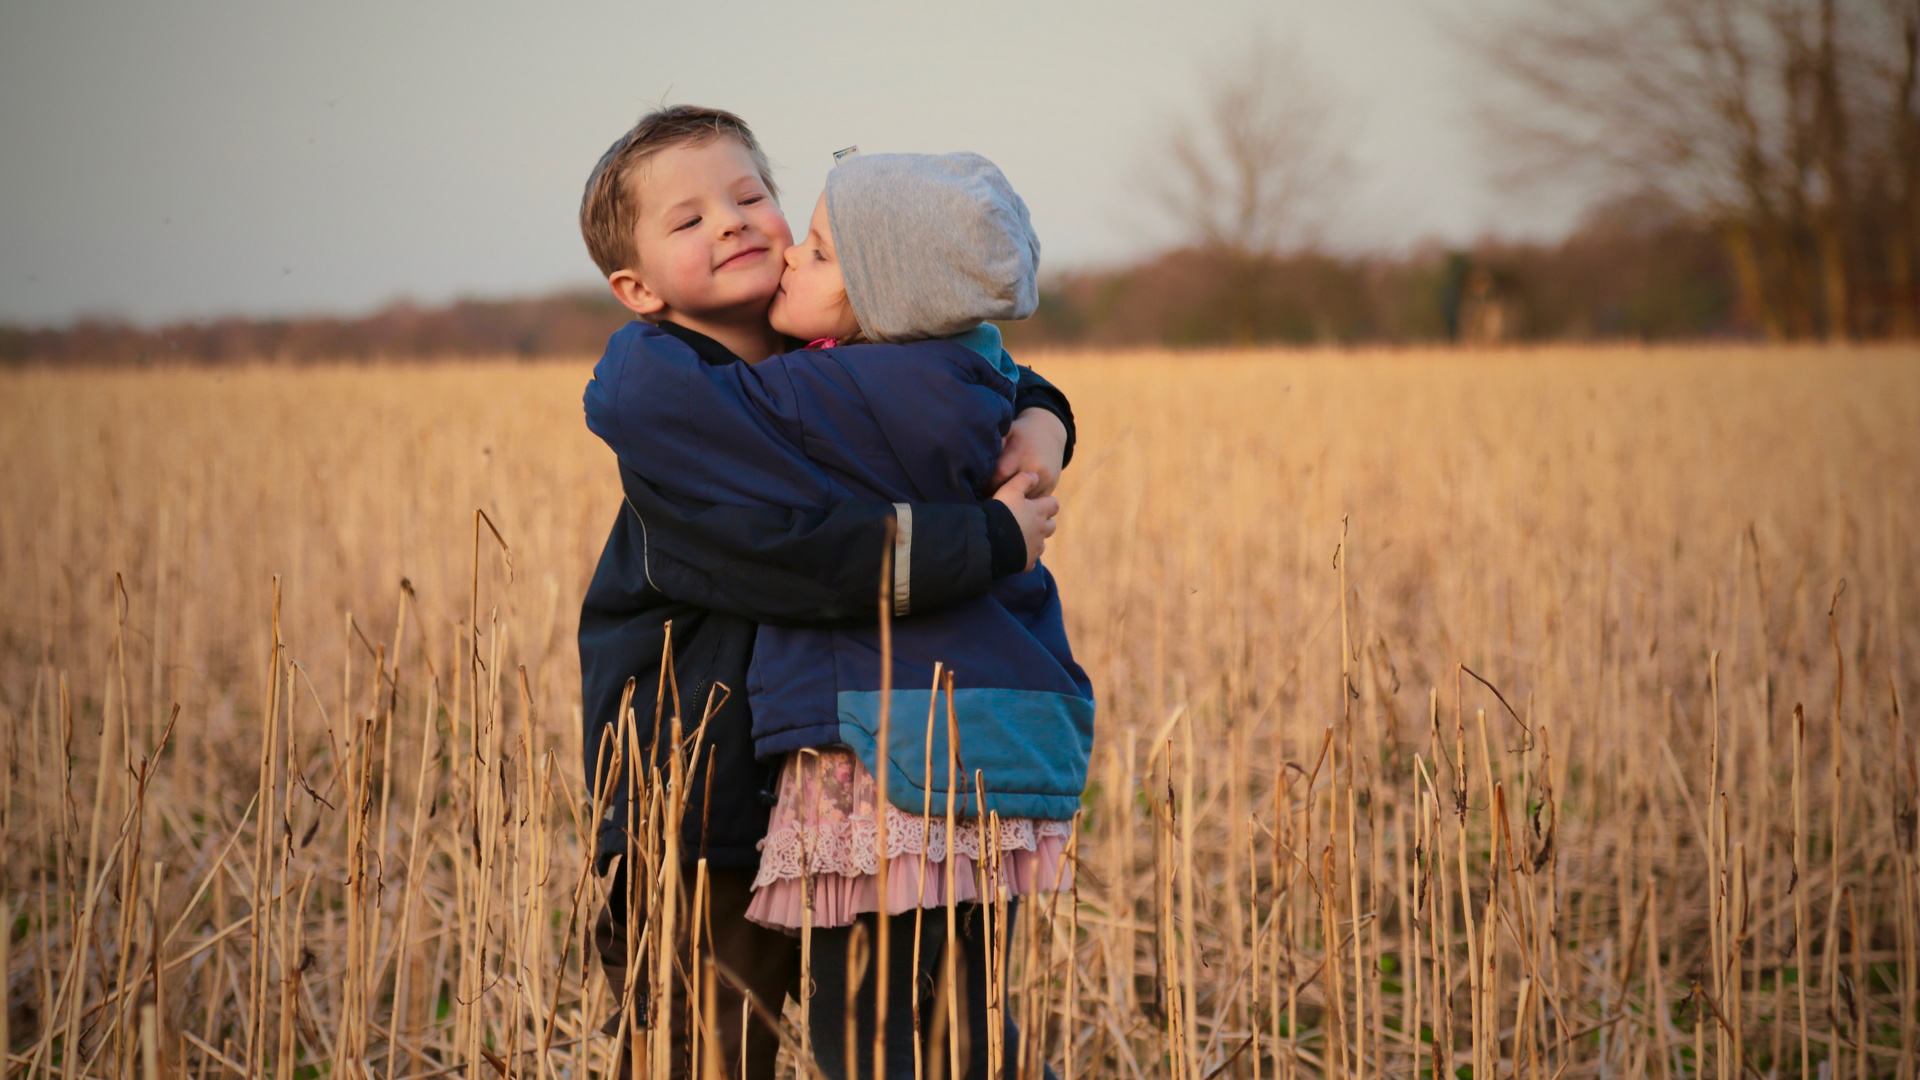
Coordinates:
[910,424]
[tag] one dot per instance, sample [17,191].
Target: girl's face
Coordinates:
[812,300]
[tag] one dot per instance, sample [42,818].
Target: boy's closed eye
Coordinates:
[688,224]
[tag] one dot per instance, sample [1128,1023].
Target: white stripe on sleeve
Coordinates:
[902,558]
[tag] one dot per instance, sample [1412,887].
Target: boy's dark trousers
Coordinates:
[828,1009]
[768,961]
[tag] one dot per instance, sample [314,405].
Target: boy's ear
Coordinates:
[634,295]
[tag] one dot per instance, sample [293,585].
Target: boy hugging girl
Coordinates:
[763,481]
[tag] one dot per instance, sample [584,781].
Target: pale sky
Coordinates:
[193,158]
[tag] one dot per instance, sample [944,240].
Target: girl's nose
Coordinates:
[791,256]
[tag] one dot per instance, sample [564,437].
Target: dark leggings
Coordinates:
[828,1009]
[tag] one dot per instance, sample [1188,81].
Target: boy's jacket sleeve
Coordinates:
[803,567]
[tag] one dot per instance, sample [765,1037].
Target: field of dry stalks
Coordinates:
[1532,714]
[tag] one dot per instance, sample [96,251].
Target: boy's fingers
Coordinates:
[1046,506]
[1009,464]
[1017,486]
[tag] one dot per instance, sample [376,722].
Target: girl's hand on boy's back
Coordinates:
[1036,443]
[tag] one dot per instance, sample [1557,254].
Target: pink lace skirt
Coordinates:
[823,825]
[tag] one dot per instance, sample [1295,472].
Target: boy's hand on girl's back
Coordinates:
[1035,515]
[1037,444]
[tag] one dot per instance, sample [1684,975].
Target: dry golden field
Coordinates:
[1677,841]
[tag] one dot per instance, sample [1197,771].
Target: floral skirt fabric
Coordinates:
[823,825]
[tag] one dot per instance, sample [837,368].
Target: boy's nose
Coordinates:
[730,222]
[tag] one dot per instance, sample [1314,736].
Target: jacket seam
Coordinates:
[646,551]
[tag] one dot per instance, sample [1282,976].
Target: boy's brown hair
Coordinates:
[611,205]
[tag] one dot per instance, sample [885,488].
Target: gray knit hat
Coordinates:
[931,244]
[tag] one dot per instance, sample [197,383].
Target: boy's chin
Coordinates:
[744,304]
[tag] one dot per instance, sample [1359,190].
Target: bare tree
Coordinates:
[1259,168]
[1789,126]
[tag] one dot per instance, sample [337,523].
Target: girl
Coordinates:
[904,396]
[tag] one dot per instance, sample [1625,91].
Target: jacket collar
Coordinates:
[708,350]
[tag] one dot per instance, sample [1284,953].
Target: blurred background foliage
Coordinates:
[1635,271]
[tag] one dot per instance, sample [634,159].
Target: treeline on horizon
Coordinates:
[1634,271]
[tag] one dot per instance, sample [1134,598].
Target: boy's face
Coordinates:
[709,235]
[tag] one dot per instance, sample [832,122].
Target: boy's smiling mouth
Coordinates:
[735,261]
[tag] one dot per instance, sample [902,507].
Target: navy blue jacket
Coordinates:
[715,573]
[907,423]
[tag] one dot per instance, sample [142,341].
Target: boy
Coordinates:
[680,216]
